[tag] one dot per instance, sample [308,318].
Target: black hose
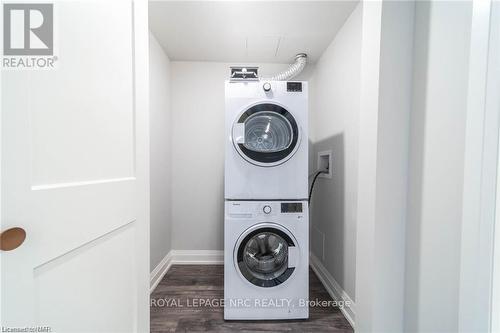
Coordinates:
[312,185]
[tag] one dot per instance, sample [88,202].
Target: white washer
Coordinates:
[266,140]
[266,260]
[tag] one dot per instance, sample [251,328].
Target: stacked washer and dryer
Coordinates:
[266,227]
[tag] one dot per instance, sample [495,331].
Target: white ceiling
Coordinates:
[246,31]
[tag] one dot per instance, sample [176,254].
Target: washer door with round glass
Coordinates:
[266,135]
[266,256]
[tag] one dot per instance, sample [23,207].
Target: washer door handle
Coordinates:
[239,133]
[293,256]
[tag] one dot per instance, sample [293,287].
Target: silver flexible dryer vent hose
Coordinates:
[293,70]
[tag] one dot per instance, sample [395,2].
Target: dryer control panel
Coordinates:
[294,86]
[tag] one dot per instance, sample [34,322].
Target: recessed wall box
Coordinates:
[325,163]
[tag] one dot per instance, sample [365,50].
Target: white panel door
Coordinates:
[74,176]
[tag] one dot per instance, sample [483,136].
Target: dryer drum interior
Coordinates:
[267,132]
[271,133]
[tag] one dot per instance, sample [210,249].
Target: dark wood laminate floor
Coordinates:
[185,283]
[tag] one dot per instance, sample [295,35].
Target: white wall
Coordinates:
[160,152]
[393,123]
[197,90]
[442,36]
[334,114]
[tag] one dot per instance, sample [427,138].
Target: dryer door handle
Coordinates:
[239,133]
[293,256]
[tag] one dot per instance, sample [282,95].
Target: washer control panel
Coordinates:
[265,209]
[291,207]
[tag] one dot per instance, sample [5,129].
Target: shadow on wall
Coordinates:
[327,214]
[416,166]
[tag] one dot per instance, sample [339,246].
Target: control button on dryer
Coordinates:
[267,86]
[266,209]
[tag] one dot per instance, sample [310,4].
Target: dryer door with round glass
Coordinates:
[266,256]
[266,134]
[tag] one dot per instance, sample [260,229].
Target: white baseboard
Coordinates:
[184,257]
[159,272]
[334,289]
[198,257]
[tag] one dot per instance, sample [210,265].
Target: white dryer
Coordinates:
[266,260]
[266,140]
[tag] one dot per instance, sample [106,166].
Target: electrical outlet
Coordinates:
[325,163]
